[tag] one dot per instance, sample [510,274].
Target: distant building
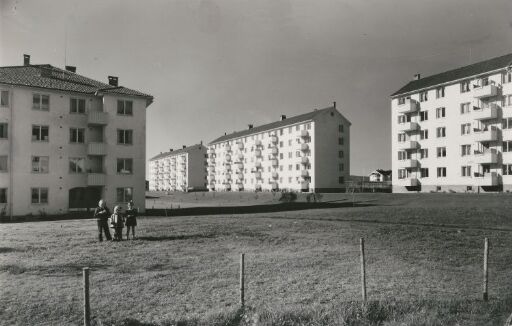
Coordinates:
[453,131]
[380,175]
[67,141]
[179,170]
[308,152]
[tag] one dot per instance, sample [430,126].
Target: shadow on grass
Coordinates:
[54,270]
[178,237]
[5,250]
[251,209]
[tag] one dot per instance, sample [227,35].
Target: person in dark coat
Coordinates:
[102,213]
[131,220]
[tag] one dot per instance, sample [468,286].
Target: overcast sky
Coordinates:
[216,66]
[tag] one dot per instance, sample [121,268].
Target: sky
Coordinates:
[215,66]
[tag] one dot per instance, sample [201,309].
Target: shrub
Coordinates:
[288,197]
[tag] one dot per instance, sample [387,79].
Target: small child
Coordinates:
[131,220]
[117,222]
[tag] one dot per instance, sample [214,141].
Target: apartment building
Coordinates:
[67,140]
[179,170]
[308,152]
[453,131]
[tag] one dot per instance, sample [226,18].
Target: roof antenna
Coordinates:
[66,46]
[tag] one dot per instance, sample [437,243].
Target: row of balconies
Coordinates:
[274,185]
[258,175]
[411,106]
[487,157]
[480,179]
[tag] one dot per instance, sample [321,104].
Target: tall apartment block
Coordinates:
[179,170]
[308,153]
[67,141]
[453,131]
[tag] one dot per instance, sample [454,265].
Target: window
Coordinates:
[441,152]
[464,86]
[281,131]
[402,155]
[3,163]
[424,173]
[39,195]
[124,107]
[290,167]
[440,113]
[125,136]
[77,105]
[40,164]
[40,133]
[340,154]
[507,77]
[401,100]
[465,128]
[402,137]
[423,115]
[441,132]
[507,100]
[340,128]
[440,92]
[507,169]
[402,174]
[289,142]
[466,171]
[341,180]
[340,141]
[4,98]
[3,195]
[125,165]
[341,167]
[506,123]
[297,127]
[464,108]
[4,130]
[424,153]
[424,96]
[76,135]
[423,134]
[40,102]
[465,150]
[441,172]
[290,154]
[76,165]
[281,156]
[401,119]
[281,144]
[507,146]
[308,126]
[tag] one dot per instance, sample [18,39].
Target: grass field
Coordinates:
[424,264]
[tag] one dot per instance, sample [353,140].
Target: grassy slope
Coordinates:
[302,267]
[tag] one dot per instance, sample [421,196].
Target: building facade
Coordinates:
[453,131]
[308,153]
[67,141]
[179,170]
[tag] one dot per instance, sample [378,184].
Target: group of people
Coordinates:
[116,221]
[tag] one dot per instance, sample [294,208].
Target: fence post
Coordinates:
[486,271]
[87,308]
[242,279]
[363,270]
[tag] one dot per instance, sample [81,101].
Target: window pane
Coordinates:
[3,195]
[128,108]
[120,136]
[129,134]
[72,135]
[3,163]
[120,165]
[128,194]
[81,133]
[72,165]
[81,106]
[35,101]
[35,133]
[3,130]
[44,195]
[4,98]
[72,105]
[120,194]
[120,107]
[35,195]
[44,133]
[45,102]
[44,163]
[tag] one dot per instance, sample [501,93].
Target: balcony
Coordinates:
[304,147]
[240,145]
[258,143]
[97,118]
[239,165]
[257,165]
[275,186]
[409,106]
[304,174]
[211,150]
[409,182]
[228,149]
[275,175]
[486,179]
[304,134]
[486,113]
[273,139]
[257,175]
[487,157]
[491,134]
[240,176]
[228,158]
[409,145]
[99,149]
[96,179]
[304,185]
[257,153]
[275,151]
[212,177]
[275,163]
[408,126]
[304,160]
[409,164]
[485,91]
[240,156]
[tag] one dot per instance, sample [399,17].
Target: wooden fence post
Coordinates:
[363,270]
[242,279]
[87,307]
[486,271]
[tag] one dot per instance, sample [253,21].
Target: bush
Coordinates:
[288,197]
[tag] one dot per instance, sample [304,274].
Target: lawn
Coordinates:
[424,264]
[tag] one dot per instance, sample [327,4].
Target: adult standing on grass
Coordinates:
[102,213]
[131,220]
[117,222]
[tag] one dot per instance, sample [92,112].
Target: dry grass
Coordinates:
[424,266]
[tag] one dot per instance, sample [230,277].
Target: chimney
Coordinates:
[417,77]
[250,126]
[334,104]
[225,133]
[170,149]
[184,146]
[71,68]
[283,117]
[112,80]
[201,143]
[26,60]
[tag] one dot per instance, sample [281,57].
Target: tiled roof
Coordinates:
[455,74]
[176,152]
[50,77]
[272,125]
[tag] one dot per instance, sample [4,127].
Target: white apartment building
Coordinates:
[179,170]
[308,153]
[67,141]
[453,131]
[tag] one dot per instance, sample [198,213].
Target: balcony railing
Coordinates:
[486,179]
[409,106]
[486,135]
[304,133]
[275,163]
[97,118]
[409,182]
[258,143]
[409,145]
[275,151]
[99,149]
[486,157]
[409,126]
[488,113]
[304,185]
[273,139]
[409,164]
[275,175]
[304,173]
[257,175]
[257,153]
[304,147]
[304,160]
[485,91]
[96,179]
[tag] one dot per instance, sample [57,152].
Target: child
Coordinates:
[116,222]
[131,220]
